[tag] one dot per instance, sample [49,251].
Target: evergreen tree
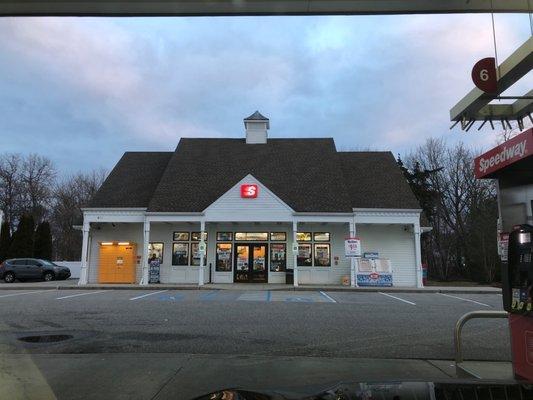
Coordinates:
[43,242]
[5,241]
[419,180]
[22,242]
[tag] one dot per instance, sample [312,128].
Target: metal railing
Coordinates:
[459,328]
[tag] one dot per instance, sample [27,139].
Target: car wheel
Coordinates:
[9,277]
[48,276]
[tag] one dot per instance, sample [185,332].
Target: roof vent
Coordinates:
[256,128]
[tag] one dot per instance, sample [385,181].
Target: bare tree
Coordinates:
[38,179]
[460,196]
[10,187]
[69,196]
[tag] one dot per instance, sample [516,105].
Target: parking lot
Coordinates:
[306,323]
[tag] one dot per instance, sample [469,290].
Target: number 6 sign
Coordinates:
[484,75]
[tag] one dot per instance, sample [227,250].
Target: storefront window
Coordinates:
[224,236]
[278,257]
[195,255]
[181,236]
[303,236]
[322,255]
[180,253]
[321,236]
[195,236]
[304,255]
[155,249]
[224,257]
[278,236]
[255,236]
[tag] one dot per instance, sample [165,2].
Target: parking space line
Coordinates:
[397,298]
[81,294]
[462,298]
[20,294]
[148,294]
[331,299]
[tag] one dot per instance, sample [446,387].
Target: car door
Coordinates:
[34,269]
[20,268]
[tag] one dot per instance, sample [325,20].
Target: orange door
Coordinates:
[117,263]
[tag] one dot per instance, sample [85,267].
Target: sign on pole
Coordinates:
[352,247]
[484,75]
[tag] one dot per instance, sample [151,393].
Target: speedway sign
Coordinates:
[513,150]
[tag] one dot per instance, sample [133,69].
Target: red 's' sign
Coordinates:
[513,150]
[484,75]
[249,191]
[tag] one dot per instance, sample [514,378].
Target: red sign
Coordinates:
[484,75]
[374,275]
[515,149]
[249,191]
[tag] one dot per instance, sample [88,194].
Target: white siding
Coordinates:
[232,207]
[395,242]
[327,275]
[391,241]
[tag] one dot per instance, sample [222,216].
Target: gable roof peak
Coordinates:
[256,116]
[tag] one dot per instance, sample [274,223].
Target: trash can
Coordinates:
[289,276]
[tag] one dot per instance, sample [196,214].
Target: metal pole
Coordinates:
[461,322]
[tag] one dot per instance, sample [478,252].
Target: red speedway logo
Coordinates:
[513,150]
[508,153]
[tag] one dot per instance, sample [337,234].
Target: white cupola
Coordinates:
[256,126]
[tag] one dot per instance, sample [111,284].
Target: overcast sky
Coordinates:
[84,90]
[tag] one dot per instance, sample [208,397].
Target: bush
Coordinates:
[22,242]
[43,242]
[5,241]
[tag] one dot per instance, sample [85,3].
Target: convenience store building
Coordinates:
[255,209]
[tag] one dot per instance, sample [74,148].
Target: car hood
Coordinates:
[385,391]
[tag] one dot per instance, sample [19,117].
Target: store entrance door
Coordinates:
[251,263]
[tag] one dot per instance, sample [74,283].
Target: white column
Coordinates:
[145,256]
[201,268]
[418,255]
[84,273]
[353,260]
[295,253]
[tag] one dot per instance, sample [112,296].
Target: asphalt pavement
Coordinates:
[273,323]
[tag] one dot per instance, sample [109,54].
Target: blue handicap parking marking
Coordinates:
[210,296]
[170,297]
[299,299]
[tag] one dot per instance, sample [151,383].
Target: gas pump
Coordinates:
[511,164]
[519,284]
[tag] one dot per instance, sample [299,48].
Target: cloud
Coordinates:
[94,88]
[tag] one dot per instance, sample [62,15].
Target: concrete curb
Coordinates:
[456,290]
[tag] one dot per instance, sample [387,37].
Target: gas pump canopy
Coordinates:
[253,7]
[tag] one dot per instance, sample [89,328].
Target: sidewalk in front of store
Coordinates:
[72,284]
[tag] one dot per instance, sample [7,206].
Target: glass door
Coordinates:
[242,263]
[251,263]
[259,263]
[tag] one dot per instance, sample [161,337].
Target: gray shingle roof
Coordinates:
[302,172]
[307,174]
[132,182]
[374,180]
